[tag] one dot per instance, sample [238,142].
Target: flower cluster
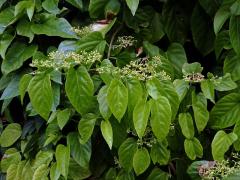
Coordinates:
[82,31]
[124,42]
[194,78]
[60,60]
[141,69]
[219,169]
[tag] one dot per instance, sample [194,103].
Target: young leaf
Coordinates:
[63,117]
[140,116]
[79,89]
[160,117]
[133,5]
[54,173]
[86,126]
[201,114]
[117,98]
[41,95]
[193,148]
[141,161]
[23,85]
[106,129]
[159,153]
[226,112]
[10,134]
[11,156]
[103,104]
[207,88]
[221,143]
[63,158]
[234,33]
[41,172]
[126,152]
[186,124]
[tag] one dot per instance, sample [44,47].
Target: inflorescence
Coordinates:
[124,42]
[60,60]
[141,69]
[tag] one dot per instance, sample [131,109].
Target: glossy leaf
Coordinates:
[221,143]
[126,152]
[160,153]
[207,88]
[23,85]
[10,134]
[160,117]
[141,161]
[141,114]
[186,124]
[63,158]
[193,148]
[41,95]
[226,112]
[133,5]
[234,33]
[117,98]
[106,129]
[63,117]
[79,89]
[103,104]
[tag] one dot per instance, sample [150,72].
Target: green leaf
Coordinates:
[111,174]
[234,33]
[221,143]
[117,98]
[235,8]
[141,161]
[225,83]
[236,130]
[41,172]
[11,172]
[77,3]
[42,157]
[11,156]
[231,64]
[86,126]
[186,124]
[23,6]
[141,114]
[10,134]
[96,8]
[133,5]
[78,172]
[222,42]
[54,173]
[81,153]
[201,30]
[158,88]
[106,129]
[201,114]
[2,2]
[51,6]
[5,41]
[191,68]
[177,56]
[63,158]
[220,18]
[158,174]
[112,8]
[126,152]
[17,54]
[6,18]
[24,29]
[193,148]
[207,88]
[123,175]
[41,95]
[160,117]
[226,112]
[12,89]
[54,27]
[91,42]
[79,89]
[63,117]
[23,85]
[159,153]
[103,104]
[181,87]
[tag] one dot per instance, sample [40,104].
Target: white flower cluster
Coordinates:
[82,31]
[141,69]
[194,78]
[124,42]
[60,60]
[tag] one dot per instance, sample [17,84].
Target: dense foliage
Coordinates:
[120,89]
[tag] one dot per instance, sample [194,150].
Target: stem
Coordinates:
[112,39]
